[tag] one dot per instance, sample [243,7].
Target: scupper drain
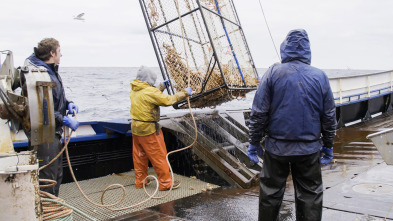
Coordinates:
[373,188]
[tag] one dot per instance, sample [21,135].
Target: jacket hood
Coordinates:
[147,75]
[296,46]
[138,85]
[37,62]
[32,59]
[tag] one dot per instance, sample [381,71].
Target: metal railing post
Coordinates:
[368,85]
[340,92]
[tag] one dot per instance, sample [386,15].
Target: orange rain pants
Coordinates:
[151,148]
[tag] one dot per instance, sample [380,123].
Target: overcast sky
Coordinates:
[344,34]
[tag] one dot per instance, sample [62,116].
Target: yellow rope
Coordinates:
[388,212]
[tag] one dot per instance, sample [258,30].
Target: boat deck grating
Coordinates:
[93,188]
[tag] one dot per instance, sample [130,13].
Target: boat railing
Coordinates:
[352,89]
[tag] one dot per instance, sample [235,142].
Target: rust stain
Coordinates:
[6,146]
[38,206]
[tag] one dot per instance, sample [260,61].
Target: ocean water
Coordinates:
[102,93]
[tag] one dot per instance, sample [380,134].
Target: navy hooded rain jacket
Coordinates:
[294,105]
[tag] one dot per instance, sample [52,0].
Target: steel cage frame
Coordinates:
[160,59]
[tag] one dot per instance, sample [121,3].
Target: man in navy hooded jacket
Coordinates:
[47,55]
[294,111]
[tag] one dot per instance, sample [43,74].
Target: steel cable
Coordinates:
[267,25]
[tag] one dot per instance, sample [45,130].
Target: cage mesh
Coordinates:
[215,72]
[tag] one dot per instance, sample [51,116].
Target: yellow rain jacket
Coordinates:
[145,102]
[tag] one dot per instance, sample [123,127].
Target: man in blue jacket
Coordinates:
[294,111]
[47,55]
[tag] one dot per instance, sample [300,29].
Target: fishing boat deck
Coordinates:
[94,188]
[357,186]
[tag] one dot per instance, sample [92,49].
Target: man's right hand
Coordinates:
[253,151]
[167,83]
[70,122]
[189,90]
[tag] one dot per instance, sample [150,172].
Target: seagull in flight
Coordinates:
[80,17]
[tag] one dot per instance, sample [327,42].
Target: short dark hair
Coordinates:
[47,45]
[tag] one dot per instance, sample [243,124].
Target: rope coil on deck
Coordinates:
[51,209]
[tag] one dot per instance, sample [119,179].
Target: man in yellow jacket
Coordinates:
[147,138]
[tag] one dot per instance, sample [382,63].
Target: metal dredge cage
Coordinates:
[220,63]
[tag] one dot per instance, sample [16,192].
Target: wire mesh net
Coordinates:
[215,61]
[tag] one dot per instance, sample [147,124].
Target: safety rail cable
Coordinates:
[230,43]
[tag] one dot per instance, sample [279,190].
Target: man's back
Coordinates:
[293,103]
[298,91]
[294,110]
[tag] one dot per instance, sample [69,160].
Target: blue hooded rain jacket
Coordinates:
[294,105]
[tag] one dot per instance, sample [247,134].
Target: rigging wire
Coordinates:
[267,25]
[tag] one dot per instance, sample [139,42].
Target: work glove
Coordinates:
[167,83]
[70,122]
[71,108]
[252,152]
[189,90]
[326,155]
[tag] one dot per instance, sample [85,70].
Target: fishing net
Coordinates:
[216,61]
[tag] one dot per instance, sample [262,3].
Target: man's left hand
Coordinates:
[71,108]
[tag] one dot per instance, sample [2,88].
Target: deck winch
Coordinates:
[220,64]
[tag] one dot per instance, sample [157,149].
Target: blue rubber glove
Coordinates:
[167,83]
[71,108]
[327,155]
[70,122]
[189,90]
[252,152]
